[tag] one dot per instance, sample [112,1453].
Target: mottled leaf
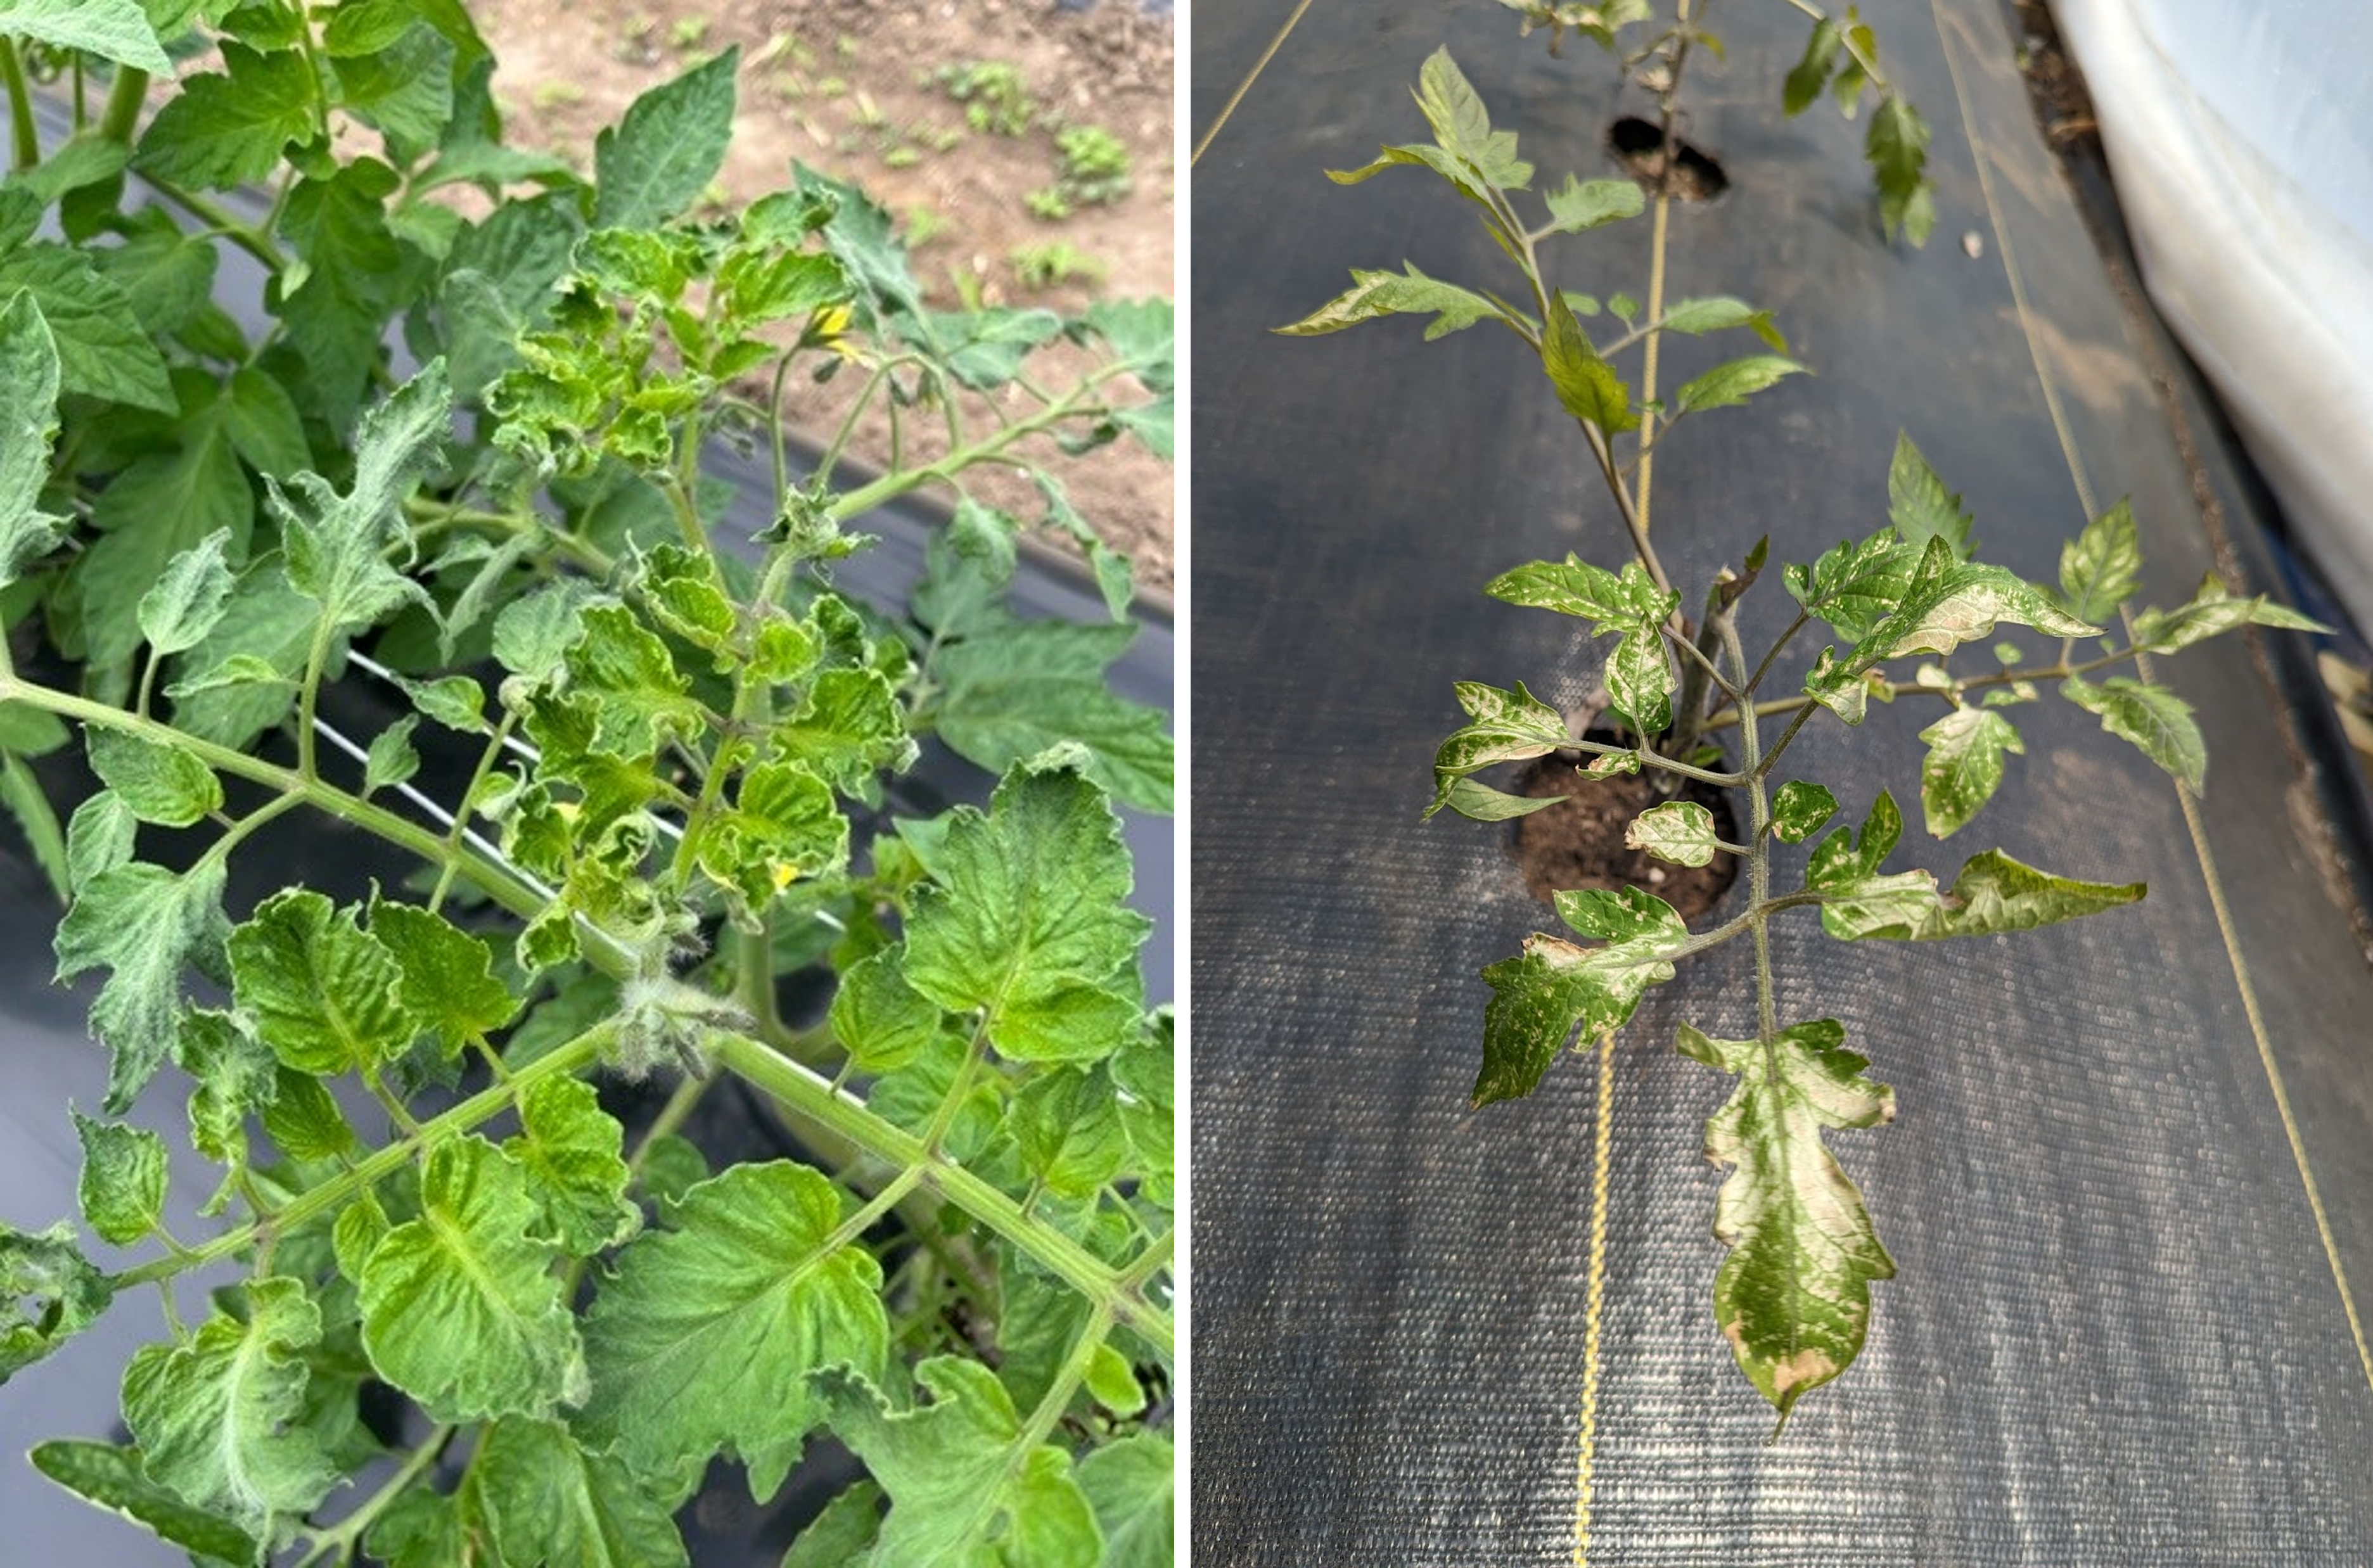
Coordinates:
[1540,999]
[216,1416]
[2154,720]
[1679,832]
[1794,1295]
[1964,765]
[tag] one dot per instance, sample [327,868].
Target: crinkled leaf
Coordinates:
[963,1488]
[216,1416]
[1067,1128]
[879,1018]
[1794,1295]
[553,1504]
[640,697]
[1585,384]
[2154,720]
[1375,294]
[123,1172]
[1679,832]
[116,1480]
[1540,998]
[2101,566]
[337,545]
[1729,384]
[704,1337]
[144,923]
[1964,765]
[572,1152]
[670,145]
[189,598]
[304,1119]
[1025,917]
[1799,808]
[849,727]
[49,1293]
[459,1308]
[323,993]
[448,983]
[1509,726]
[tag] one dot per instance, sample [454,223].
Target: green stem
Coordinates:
[341,1541]
[496,882]
[890,487]
[27,135]
[1758,860]
[309,698]
[1651,758]
[461,809]
[813,1098]
[436,515]
[219,218]
[483,1106]
[121,118]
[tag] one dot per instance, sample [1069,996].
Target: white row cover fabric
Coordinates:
[2241,136]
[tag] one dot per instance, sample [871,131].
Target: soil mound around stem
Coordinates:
[1580,844]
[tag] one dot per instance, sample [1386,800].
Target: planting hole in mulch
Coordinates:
[1580,844]
[1639,145]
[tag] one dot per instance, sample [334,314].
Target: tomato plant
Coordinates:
[1793,1295]
[674,797]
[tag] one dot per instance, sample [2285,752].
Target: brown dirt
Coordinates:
[1580,844]
[848,87]
[2053,84]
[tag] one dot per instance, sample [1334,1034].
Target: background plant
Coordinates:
[1793,1295]
[677,796]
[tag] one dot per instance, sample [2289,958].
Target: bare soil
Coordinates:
[852,88]
[1580,844]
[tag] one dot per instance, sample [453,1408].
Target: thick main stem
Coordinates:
[25,134]
[1758,844]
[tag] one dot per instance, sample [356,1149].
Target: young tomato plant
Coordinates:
[677,785]
[1793,1295]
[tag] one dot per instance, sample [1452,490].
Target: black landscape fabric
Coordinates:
[2119,1334]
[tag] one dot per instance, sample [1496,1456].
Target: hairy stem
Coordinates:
[1758,842]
